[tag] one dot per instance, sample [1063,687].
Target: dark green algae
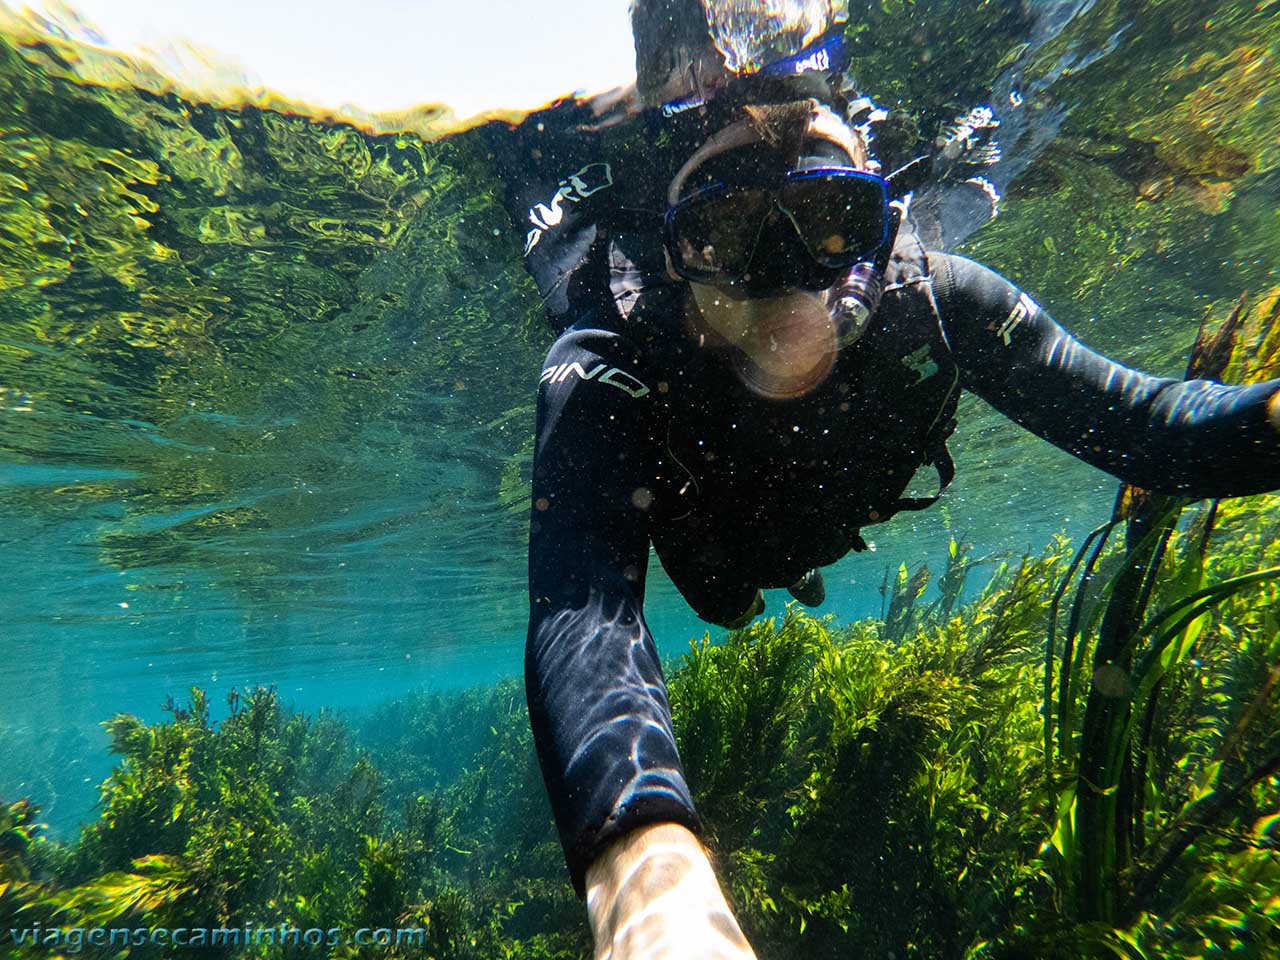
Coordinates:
[319,289]
[867,792]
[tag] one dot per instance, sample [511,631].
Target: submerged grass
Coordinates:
[1080,762]
[865,795]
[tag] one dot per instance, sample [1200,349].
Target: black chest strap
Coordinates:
[940,460]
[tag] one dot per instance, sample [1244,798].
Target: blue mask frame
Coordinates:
[797,257]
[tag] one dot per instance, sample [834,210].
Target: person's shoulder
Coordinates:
[952,273]
[593,334]
[942,257]
[591,351]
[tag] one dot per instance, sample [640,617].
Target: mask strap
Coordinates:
[738,134]
[886,251]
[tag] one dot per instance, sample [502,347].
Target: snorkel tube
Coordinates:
[855,299]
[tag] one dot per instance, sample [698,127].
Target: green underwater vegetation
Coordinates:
[1081,760]
[1070,754]
[865,795]
[272,817]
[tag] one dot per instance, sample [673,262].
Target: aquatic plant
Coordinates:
[885,782]
[272,817]
[863,795]
[1103,822]
[19,838]
[890,797]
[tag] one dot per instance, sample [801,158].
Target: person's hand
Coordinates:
[652,895]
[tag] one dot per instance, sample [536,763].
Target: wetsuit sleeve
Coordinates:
[555,188]
[597,700]
[1195,438]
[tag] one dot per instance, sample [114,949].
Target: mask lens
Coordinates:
[841,218]
[712,234]
[835,217]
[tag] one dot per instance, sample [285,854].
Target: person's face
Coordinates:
[785,340]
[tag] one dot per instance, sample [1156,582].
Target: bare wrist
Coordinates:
[648,860]
[653,894]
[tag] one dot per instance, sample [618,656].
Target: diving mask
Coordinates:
[766,233]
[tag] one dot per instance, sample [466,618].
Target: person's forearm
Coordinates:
[1192,438]
[602,725]
[653,894]
[597,700]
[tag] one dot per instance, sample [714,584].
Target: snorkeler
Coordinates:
[757,354]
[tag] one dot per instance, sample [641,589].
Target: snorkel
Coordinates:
[780,231]
[776,217]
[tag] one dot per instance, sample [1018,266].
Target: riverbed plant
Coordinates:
[863,795]
[1175,697]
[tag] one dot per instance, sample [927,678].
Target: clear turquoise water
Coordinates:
[305,488]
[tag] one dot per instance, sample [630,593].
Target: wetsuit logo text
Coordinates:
[613,376]
[921,363]
[591,179]
[1022,311]
[819,60]
[676,107]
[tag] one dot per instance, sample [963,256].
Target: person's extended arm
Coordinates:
[601,720]
[1194,437]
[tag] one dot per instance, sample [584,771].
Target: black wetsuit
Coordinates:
[646,438]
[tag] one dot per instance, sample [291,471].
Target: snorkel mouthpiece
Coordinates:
[854,301]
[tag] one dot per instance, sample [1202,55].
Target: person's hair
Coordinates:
[674,50]
[784,129]
[785,126]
